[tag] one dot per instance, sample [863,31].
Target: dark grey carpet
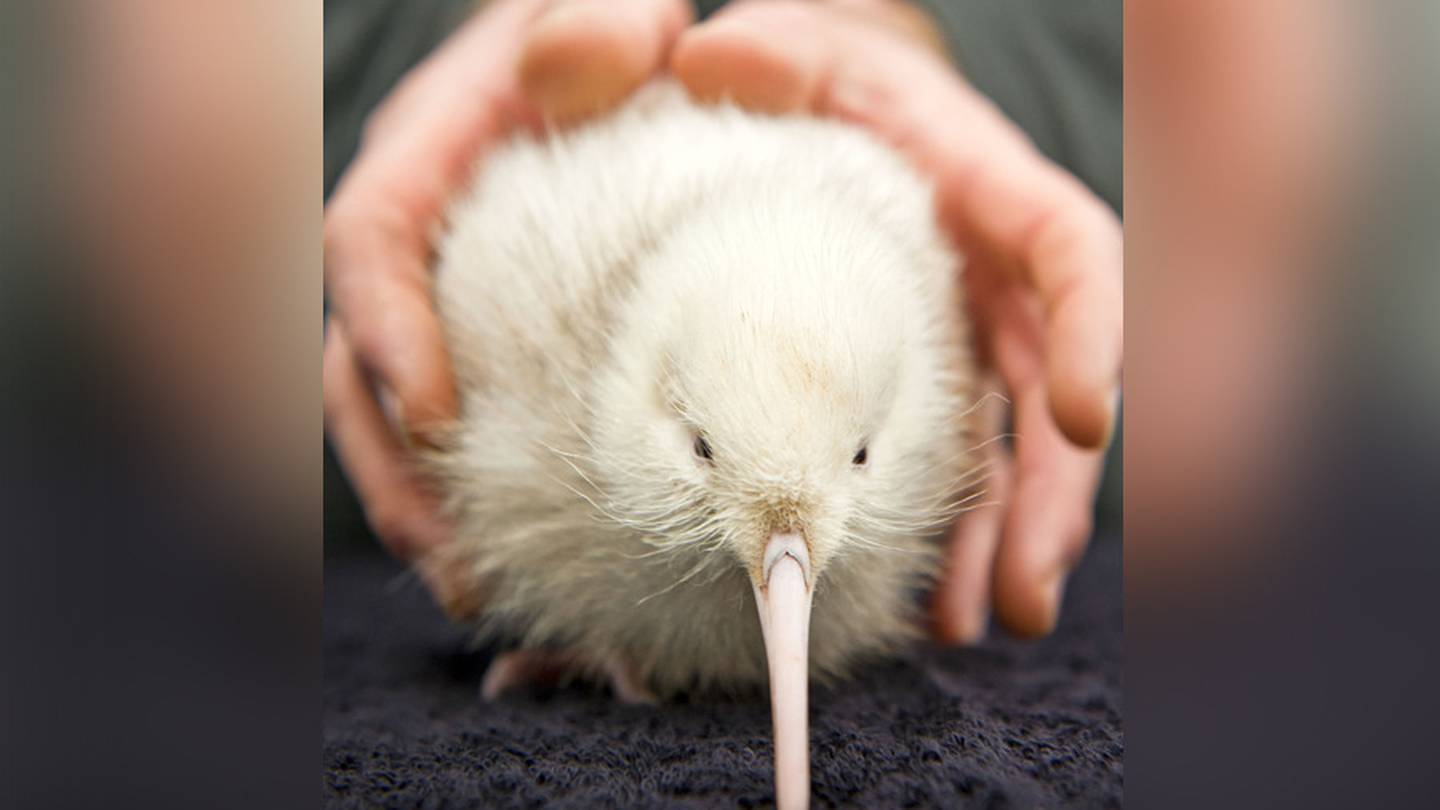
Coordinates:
[1008,724]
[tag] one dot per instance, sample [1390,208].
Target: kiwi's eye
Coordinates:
[702,448]
[861,456]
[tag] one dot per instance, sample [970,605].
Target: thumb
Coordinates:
[581,57]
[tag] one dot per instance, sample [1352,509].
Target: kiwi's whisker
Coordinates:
[695,569]
[981,401]
[997,437]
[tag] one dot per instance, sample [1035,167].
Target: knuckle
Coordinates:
[362,218]
[361,224]
[379,121]
[396,108]
[338,231]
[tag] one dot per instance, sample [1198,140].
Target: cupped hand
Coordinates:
[387,376]
[1043,272]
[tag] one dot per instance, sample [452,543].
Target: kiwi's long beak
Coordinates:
[783,597]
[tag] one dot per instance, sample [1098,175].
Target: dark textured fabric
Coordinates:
[1007,724]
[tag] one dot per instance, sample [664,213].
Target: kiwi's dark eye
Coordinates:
[702,448]
[861,456]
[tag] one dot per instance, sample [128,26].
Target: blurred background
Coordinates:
[1283,433]
[160,403]
[164,171]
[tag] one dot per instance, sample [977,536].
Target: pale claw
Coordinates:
[627,686]
[509,670]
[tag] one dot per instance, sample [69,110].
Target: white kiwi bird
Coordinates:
[710,363]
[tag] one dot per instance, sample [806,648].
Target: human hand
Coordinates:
[387,376]
[1043,271]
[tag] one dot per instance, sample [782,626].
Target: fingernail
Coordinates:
[421,435]
[972,630]
[425,437]
[392,409]
[953,621]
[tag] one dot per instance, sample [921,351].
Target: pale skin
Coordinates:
[1043,273]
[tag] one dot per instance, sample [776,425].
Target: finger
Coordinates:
[582,56]
[1001,198]
[417,148]
[906,19]
[752,56]
[380,287]
[997,194]
[423,140]
[960,610]
[1049,519]
[1067,247]
[740,56]
[402,514]
[399,510]
[844,64]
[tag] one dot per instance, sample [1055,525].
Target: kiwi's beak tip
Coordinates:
[783,598]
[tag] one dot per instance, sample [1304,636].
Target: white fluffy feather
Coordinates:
[777,285]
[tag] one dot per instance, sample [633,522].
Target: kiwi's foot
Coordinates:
[546,667]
